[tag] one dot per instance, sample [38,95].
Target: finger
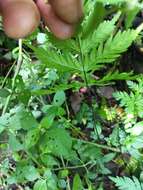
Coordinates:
[20,17]
[0,7]
[70,11]
[58,27]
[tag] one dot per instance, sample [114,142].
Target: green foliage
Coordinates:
[132,102]
[77,184]
[40,185]
[112,1]
[114,46]
[126,183]
[53,59]
[91,53]
[57,131]
[56,141]
[99,35]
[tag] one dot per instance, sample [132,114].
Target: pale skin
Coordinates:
[60,21]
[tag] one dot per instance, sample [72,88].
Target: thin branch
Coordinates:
[99,145]
[7,75]
[72,167]
[87,86]
[18,66]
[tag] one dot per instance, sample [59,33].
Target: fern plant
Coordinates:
[133,102]
[126,183]
[84,56]
[51,142]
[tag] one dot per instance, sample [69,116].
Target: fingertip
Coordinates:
[58,27]
[20,18]
[70,11]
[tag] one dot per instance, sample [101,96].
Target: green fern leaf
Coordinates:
[62,62]
[96,10]
[102,33]
[126,183]
[136,86]
[115,46]
[132,102]
[112,49]
[111,76]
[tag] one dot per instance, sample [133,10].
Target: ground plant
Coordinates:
[72,110]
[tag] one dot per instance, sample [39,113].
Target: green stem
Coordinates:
[87,86]
[33,158]
[72,167]
[8,73]
[19,63]
[68,184]
[99,145]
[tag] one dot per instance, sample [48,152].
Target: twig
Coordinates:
[68,184]
[72,167]
[87,86]
[19,63]
[8,73]
[99,145]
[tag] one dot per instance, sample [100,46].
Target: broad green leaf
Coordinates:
[14,122]
[4,93]
[108,157]
[47,121]
[51,180]
[28,121]
[14,143]
[77,183]
[56,141]
[59,98]
[30,173]
[31,138]
[40,185]
[23,119]
[4,121]
[49,160]
[24,96]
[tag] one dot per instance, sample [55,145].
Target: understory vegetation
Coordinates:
[72,110]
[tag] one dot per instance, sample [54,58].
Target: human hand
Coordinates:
[21,17]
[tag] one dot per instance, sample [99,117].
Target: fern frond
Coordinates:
[123,97]
[132,102]
[136,86]
[62,62]
[102,33]
[126,183]
[133,85]
[115,46]
[111,76]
